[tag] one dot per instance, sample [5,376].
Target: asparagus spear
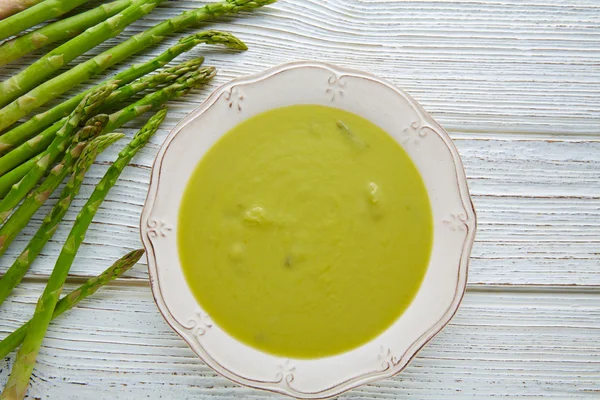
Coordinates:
[60,84]
[117,119]
[13,340]
[24,152]
[59,30]
[44,67]
[41,12]
[43,140]
[38,196]
[17,384]
[8,8]
[15,273]
[62,140]
[28,129]
[9,179]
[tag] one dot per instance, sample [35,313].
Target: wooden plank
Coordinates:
[518,343]
[538,204]
[478,66]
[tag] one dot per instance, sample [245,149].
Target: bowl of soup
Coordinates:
[308,229]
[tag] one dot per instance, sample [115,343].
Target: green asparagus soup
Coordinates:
[305,231]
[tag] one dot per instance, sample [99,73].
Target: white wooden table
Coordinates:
[516,84]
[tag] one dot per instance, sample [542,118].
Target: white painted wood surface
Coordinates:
[517,85]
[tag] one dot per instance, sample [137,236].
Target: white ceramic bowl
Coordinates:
[430,148]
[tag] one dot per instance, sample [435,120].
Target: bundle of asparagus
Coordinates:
[78,152]
[38,122]
[59,30]
[18,381]
[63,142]
[18,102]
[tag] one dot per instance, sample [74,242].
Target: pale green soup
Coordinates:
[305,231]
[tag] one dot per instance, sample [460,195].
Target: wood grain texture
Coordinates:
[513,344]
[516,84]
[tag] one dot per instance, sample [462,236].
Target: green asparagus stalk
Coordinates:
[41,12]
[9,179]
[8,8]
[29,129]
[39,143]
[129,113]
[60,84]
[18,381]
[59,30]
[64,138]
[38,196]
[37,72]
[122,265]
[30,148]
[19,268]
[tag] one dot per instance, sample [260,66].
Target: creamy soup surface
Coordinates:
[305,231]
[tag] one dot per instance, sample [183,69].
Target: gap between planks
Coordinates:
[471,287]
